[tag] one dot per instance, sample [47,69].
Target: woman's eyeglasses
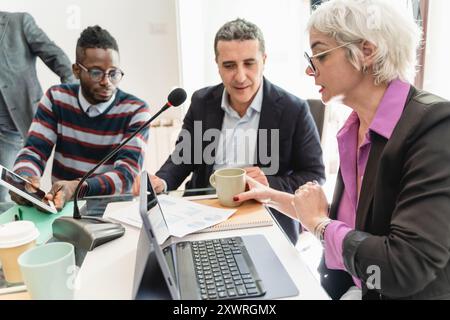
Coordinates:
[320,54]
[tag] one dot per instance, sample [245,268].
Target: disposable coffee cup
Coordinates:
[228,183]
[15,238]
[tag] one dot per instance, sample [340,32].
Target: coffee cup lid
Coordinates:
[17,233]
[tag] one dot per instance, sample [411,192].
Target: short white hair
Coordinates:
[395,34]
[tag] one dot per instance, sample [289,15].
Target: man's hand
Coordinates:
[61,192]
[157,183]
[33,186]
[257,174]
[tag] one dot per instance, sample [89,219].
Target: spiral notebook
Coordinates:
[249,215]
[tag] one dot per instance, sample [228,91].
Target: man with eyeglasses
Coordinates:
[85,122]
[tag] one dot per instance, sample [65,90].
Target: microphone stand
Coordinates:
[76,211]
[89,232]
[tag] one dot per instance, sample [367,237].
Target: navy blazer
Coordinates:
[300,153]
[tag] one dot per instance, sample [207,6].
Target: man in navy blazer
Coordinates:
[245,122]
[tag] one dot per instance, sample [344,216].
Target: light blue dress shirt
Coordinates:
[238,138]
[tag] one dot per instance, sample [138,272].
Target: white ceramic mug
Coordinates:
[49,271]
[228,183]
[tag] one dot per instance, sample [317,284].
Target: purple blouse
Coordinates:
[353,165]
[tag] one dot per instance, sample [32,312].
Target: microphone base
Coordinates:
[86,233]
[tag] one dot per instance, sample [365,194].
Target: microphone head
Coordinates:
[177,97]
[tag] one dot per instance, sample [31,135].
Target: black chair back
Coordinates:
[317,109]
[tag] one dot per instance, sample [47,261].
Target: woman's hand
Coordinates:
[278,200]
[311,205]
[257,191]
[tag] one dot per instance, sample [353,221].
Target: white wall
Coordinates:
[282,22]
[437,66]
[146,32]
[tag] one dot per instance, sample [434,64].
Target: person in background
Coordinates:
[21,43]
[387,234]
[85,122]
[246,102]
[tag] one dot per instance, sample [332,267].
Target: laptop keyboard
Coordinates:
[224,269]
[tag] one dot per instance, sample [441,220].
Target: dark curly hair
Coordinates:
[95,37]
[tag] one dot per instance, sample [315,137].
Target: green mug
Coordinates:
[49,271]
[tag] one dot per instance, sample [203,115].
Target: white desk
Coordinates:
[108,271]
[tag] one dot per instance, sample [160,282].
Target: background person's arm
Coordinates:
[52,55]
[42,136]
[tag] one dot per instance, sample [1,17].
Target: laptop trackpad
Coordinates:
[267,265]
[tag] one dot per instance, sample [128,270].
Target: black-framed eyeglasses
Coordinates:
[97,75]
[309,58]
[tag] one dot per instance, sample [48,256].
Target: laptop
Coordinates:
[216,269]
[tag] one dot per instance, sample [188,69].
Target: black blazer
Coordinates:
[300,154]
[403,214]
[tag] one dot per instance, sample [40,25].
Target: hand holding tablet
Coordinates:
[33,186]
[25,191]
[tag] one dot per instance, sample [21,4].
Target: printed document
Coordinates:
[182,216]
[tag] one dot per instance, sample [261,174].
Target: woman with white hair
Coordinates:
[387,230]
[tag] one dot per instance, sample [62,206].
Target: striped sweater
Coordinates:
[81,141]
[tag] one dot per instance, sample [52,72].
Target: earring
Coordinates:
[364,69]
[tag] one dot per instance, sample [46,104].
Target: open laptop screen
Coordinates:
[152,212]
[174,263]
[156,231]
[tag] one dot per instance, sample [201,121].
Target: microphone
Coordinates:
[89,232]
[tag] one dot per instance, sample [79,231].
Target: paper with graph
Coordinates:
[181,216]
[184,217]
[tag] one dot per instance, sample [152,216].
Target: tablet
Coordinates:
[200,194]
[23,188]
[195,194]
